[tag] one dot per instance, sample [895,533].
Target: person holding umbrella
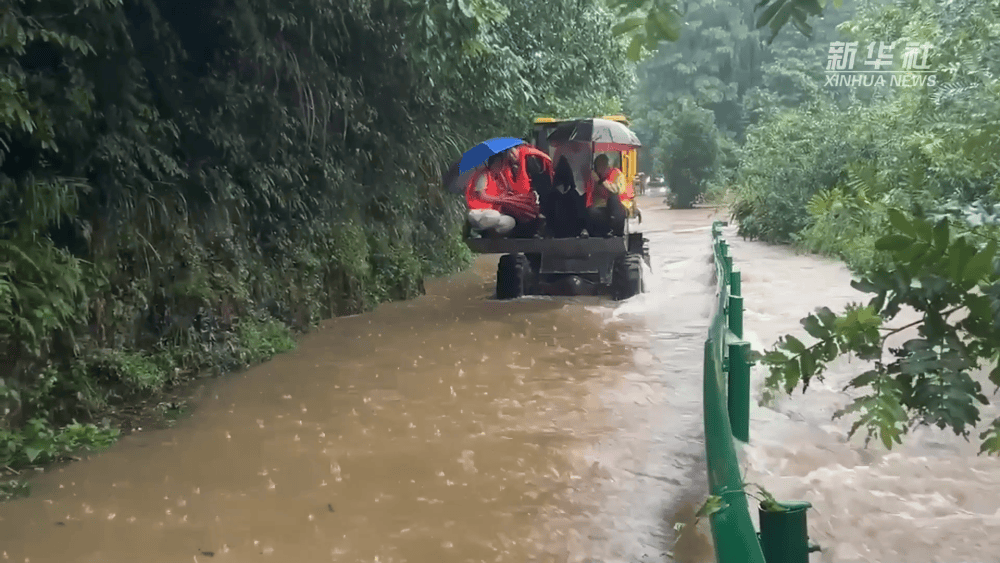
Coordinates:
[501,200]
[501,197]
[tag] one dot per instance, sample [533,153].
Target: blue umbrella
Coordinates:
[483,151]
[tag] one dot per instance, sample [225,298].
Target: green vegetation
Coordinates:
[699,98]
[648,23]
[899,181]
[183,188]
[905,193]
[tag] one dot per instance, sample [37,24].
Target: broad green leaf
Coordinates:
[668,24]
[799,21]
[791,375]
[808,366]
[889,433]
[924,228]
[630,24]
[775,358]
[980,306]
[793,345]
[958,259]
[815,328]
[865,286]
[635,47]
[917,344]
[980,264]
[769,13]
[32,452]
[942,235]
[828,317]
[893,243]
[863,380]
[933,258]
[991,439]
[781,18]
[914,253]
[902,224]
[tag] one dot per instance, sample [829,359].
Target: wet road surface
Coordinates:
[449,428]
[455,428]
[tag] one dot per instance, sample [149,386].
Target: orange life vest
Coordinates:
[476,199]
[499,184]
[522,183]
[614,175]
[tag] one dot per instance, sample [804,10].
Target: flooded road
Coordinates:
[455,428]
[449,428]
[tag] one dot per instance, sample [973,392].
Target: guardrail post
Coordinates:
[735,284]
[784,536]
[738,396]
[735,311]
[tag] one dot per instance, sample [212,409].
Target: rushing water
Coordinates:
[458,428]
[933,499]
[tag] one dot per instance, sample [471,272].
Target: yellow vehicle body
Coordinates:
[626,160]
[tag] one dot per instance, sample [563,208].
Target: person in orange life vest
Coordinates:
[500,198]
[532,172]
[606,214]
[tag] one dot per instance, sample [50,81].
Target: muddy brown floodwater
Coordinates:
[455,428]
[452,428]
[931,500]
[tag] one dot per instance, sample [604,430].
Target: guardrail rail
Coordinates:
[783,537]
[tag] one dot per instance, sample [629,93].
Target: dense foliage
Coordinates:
[180,184]
[719,78]
[906,193]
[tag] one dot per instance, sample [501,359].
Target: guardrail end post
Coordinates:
[784,535]
[738,396]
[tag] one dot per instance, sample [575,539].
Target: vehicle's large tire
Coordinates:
[626,278]
[514,276]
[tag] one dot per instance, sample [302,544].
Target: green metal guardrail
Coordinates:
[783,537]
